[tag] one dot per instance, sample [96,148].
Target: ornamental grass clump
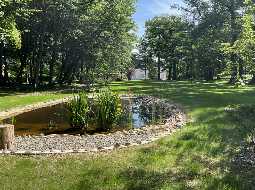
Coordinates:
[79,111]
[108,109]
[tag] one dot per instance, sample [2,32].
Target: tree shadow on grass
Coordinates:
[194,151]
[191,95]
[135,179]
[214,136]
[142,179]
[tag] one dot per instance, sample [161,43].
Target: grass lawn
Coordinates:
[11,99]
[197,157]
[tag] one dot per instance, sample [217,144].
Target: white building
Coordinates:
[139,74]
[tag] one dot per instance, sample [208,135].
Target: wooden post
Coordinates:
[7,137]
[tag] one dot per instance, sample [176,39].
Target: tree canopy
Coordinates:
[61,41]
[212,39]
[48,42]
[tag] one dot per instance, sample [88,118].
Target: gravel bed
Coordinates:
[102,142]
[246,157]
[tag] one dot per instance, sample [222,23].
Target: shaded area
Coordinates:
[191,94]
[198,153]
[197,157]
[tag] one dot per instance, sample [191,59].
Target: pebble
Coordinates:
[63,144]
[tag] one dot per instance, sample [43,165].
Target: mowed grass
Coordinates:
[196,157]
[10,100]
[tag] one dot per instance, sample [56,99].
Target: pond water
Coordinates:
[55,119]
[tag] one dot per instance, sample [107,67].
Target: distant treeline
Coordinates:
[212,39]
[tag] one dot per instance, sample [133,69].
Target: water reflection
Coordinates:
[137,113]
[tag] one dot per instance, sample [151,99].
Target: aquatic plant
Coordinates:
[108,109]
[78,111]
[52,125]
[13,120]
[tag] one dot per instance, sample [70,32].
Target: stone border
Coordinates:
[80,151]
[171,125]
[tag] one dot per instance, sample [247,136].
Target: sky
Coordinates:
[147,9]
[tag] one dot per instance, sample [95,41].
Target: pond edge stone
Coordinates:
[174,123]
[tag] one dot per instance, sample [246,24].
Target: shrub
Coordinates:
[108,109]
[79,110]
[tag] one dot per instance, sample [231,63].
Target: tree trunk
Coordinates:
[1,66]
[234,36]
[23,61]
[145,72]
[81,77]
[39,62]
[209,74]
[36,75]
[129,75]
[159,70]
[62,69]
[7,137]
[252,80]
[40,82]
[6,73]
[174,71]
[51,69]
[31,69]
[146,67]
[187,72]
[241,69]
[170,72]
[234,75]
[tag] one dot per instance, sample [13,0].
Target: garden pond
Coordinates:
[137,112]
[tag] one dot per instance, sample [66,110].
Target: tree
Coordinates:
[245,45]
[230,11]
[65,41]
[164,37]
[10,36]
[144,57]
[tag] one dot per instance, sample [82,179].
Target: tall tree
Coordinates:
[245,45]
[164,36]
[68,40]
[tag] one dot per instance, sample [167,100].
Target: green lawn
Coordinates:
[11,99]
[197,157]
